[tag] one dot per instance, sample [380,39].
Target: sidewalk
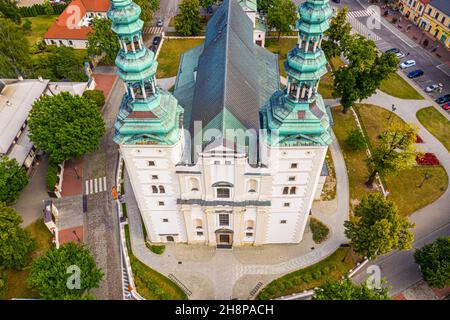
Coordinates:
[72,177]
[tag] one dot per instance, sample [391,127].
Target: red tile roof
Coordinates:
[71,16]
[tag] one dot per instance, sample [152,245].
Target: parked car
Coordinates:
[156,41]
[443,99]
[416,73]
[160,23]
[407,64]
[446,106]
[397,52]
[433,87]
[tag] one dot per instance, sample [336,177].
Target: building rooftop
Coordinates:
[16,100]
[441,5]
[226,80]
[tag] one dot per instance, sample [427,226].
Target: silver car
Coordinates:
[407,64]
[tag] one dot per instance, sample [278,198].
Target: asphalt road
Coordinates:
[389,37]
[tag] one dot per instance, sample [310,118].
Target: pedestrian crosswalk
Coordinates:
[95,185]
[153,30]
[360,28]
[360,13]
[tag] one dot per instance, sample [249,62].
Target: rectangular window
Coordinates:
[294,165]
[216,162]
[286,204]
[285,190]
[436,15]
[154,177]
[151,163]
[200,233]
[283,221]
[249,234]
[165,220]
[223,193]
[293,190]
[228,162]
[161,203]
[292,178]
[224,219]
[443,20]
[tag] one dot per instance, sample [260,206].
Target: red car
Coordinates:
[446,106]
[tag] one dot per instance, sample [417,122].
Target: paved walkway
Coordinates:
[431,221]
[227,274]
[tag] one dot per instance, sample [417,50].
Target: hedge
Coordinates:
[39,10]
[52,176]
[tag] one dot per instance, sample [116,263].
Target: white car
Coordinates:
[407,64]
[433,87]
[400,54]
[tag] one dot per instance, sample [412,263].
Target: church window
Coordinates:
[292,178]
[161,203]
[285,190]
[165,220]
[293,190]
[154,189]
[283,221]
[200,233]
[198,224]
[286,204]
[151,163]
[252,185]
[224,219]
[249,234]
[294,165]
[154,177]
[223,192]
[250,224]
[161,189]
[193,184]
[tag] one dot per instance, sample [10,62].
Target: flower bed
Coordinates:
[427,159]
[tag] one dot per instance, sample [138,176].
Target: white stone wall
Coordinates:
[76,44]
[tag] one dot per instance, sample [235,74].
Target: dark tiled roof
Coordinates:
[442,5]
[235,76]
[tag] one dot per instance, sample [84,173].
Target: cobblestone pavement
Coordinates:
[101,221]
[228,274]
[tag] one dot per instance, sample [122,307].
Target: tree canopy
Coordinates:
[395,152]
[9,10]
[337,34]
[434,262]
[14,50]
[356,140]
[102,40]
[148,7]
[188,20]
[377,228]
[12,179]
[365,71]
[97,96]
[54,273]
[65,126]
[347,290]
[281,16]
[16,244]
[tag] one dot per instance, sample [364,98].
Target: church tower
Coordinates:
[297,126]
[148,127]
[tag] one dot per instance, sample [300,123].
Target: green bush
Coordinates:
[326,270]
[356,140]
[51,179]
[317,275]
[41,9]
[96,96]
[319,230]
[156,249]
[307,278]
[3,283]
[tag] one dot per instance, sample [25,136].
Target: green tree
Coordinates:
[50,273]
[434,262]
[337,34]
[188,20]
[14,50]
[103,41]
[364,73]
[65,126]
[96,96]
[395,152]
[264,5]
[377,228]
[16,244]
[206,3]
[356,140]
[148,7]
[347,290]
[27,26]
[48,8]
[12,179]
[9,10]
[281,16]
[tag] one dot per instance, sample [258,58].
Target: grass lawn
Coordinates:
[396,86]
[170,54]
[436,124]
[403,187]
[149,283]
[333,267]
[16,279]
[354,160]
[281,48]
[326,83]
[39,26]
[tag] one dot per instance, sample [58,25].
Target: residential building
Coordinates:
[413,9]
[229,159]
[73,25]
[436,20]
[16,100]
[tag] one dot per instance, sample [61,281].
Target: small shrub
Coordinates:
[319,230]
[333,267]
[26,26]
[288,284]
[52,176]
[270,290]
[156,249]
[326,270]
[317,275]
[356,140]
[307,278]
[296,281]
[96,96]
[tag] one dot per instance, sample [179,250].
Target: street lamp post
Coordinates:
[426,176]
[393,108]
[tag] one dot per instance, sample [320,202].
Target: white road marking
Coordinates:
[444,68]
[153,30]
[95,185]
